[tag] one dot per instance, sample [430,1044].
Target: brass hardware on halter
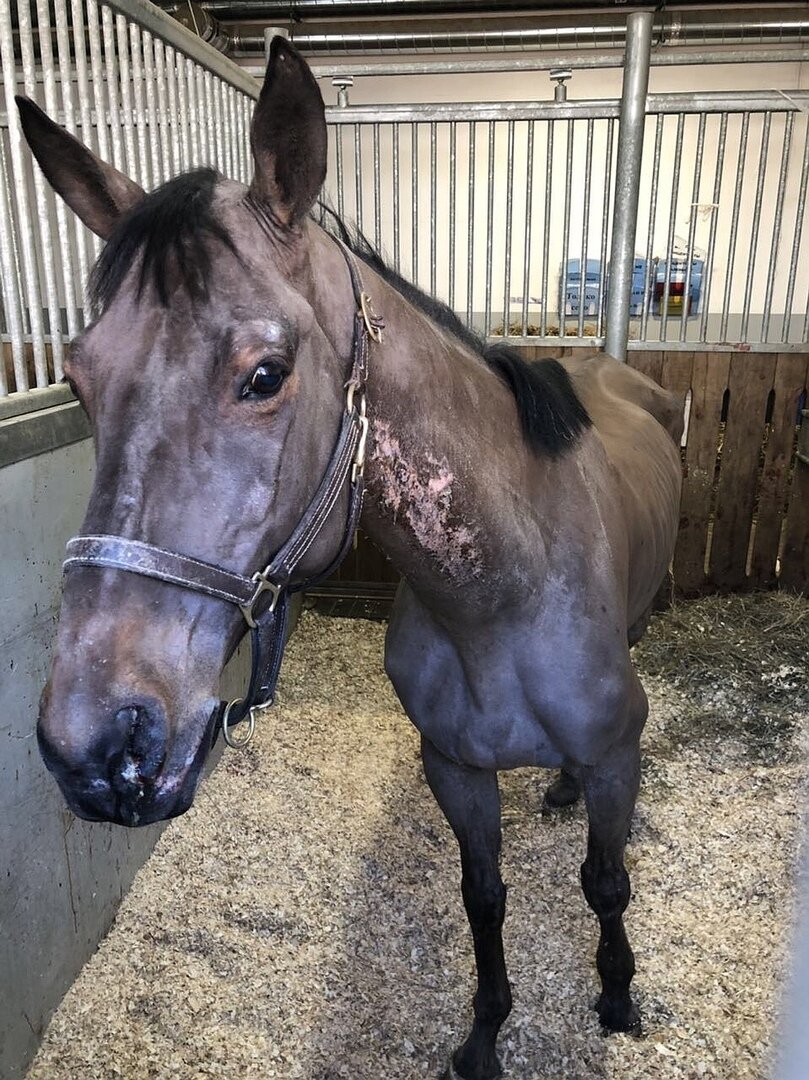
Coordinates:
[373,324]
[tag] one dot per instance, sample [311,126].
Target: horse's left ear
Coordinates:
[288,136]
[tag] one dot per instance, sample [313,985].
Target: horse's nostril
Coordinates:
[144,743]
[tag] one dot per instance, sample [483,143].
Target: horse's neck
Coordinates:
[449,474]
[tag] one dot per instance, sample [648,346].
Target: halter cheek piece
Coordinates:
[263,598]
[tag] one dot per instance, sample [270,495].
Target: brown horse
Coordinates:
[531,510]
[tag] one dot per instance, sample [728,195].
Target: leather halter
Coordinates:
[263,598]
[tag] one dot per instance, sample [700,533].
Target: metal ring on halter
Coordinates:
[237,744]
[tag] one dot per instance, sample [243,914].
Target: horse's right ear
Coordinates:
[95,191]
[288,136]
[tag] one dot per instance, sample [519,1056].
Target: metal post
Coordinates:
[627,179]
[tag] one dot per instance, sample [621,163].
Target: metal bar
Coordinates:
[529,207]
[163,113]
[762,172]
[566,227]
[414,183]
[396,199]
[193,115]
[42,228]
[546,246]
[487,321]
[647,272]
[12,294]
[200,117]
[213,149]
[171,32]
[131,167]
[470,241]
[377,192]
[62,227]
[338,156]
[796,240]
[509,221]
[661,56]
[228,152]
[174,113]
[453,150]
[707,272]
[433,206]
[776,227]
[111,76]
[605,222]
[358,177]
[32,292]
[627,179]
[692,227]
[585,225]
[151,108]
[144,171]
[80,234]
[182,104]
[97,69]
[734,222]
[675,196]
[82,82]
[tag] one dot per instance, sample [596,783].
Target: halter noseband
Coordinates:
[267,620]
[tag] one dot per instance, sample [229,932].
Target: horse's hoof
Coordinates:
[564,791]
[618,1016]
[451,1072]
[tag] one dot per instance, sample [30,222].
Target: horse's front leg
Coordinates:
[471,802]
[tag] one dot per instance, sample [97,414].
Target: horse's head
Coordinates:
[213,378]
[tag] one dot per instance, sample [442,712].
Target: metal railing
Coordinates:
[142,93]
[504,210]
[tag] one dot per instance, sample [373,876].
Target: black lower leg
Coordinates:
[564,790]
[471,803]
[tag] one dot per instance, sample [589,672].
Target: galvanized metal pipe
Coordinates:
[396,198]
[734,222]
[675,193]
[796,240]
[377,191]
[509,219]
[647,273]
[81,235]
[111,78]
[627,179]
[546,236]
[692,227]
[164,115]
[121,31]
[144,170]
[433,207]
[174,112]
[414,183]
[762,172]
[470,229]
[566,227]
[453,148]
[585,226]
[12,293]
[776,227]
[529,206]
[709,257]
[605,222]
[487,321]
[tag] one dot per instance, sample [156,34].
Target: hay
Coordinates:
[303,920]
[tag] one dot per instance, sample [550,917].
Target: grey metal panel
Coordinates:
[62,878]
[37,433]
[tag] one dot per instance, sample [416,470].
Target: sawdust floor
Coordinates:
[303,920]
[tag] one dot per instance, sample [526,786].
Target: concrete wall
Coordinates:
[61,879]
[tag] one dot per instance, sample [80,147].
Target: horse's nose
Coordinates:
[137,749]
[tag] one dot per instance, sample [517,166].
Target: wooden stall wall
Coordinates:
[744,518]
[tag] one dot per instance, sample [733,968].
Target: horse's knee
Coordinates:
[485,901]
[606,888]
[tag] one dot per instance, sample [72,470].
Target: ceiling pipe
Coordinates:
[298,10]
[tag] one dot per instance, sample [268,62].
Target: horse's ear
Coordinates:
[288,136]
[97,192]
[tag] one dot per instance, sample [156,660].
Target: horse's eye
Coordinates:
[266,380]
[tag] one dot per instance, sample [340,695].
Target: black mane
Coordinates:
[551,415]
[173,226]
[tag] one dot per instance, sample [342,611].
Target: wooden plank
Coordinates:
[795,557]
[788,385]
[709,379]
[649,362]
[749,382]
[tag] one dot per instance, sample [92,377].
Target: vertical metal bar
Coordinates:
[546,236]
[734,222]
[707,270]
[776,225]
[199,115]
[627,178]
[358,176]
[529,206]
[605,228]
[234,144]
[32,290]
[126,97]
[397,202]
[151,107]
[145,171]
[97,69]
[111,75]
[62,229]
[433,205]
[207,87]
[566,224]
[692,225]
[487,320]
[163,113]
[762,171]
[183,83]
[453,150]
[12,294]
[414,180]
[377,192]
[509,223]
[796,239]
[470,242]
[247,112]
[585,224]
[80,234]
[647,273]
[220,112]
[338,155]
[174,112]
[675,196]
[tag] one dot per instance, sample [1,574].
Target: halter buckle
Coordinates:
[263,584]
[373,324]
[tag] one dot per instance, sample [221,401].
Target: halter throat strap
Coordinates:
[263,597]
